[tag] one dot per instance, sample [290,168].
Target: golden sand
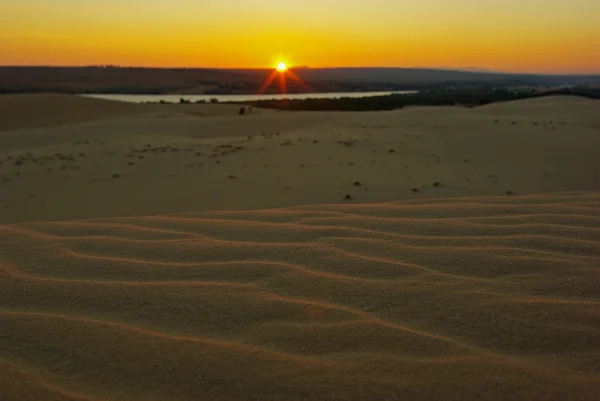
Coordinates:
[171,282]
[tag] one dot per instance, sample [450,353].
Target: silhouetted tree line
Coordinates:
[447,97]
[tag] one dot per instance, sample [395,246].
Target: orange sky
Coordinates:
[550,36]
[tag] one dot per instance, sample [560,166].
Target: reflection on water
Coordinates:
[240,98]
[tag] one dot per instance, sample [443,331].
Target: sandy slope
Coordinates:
[469,298]
[51,110]
[178,163]
[459,291]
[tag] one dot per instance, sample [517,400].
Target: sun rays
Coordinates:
[282,71]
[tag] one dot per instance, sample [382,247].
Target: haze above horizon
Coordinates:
[529,36]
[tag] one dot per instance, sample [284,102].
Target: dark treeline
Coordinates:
[134,80]
[442,97]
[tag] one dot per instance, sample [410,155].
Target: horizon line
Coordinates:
[472,70]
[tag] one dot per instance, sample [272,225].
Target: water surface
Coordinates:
[240,98]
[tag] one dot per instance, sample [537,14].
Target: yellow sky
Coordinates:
[550,36]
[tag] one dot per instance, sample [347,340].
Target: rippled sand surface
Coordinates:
[470,298]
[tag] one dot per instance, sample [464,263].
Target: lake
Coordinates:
[241,98]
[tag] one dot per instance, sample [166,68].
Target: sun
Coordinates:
[281,67]
[282,72]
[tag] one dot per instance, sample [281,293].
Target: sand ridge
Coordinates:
[41,111]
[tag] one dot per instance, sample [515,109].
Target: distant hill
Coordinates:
[428,76]
[113,79]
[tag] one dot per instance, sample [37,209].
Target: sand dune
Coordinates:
[469,298]
[51,110]
[148,164]
[422,254]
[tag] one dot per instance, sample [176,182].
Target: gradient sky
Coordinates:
[548,36]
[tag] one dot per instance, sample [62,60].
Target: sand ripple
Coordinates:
[471,298]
